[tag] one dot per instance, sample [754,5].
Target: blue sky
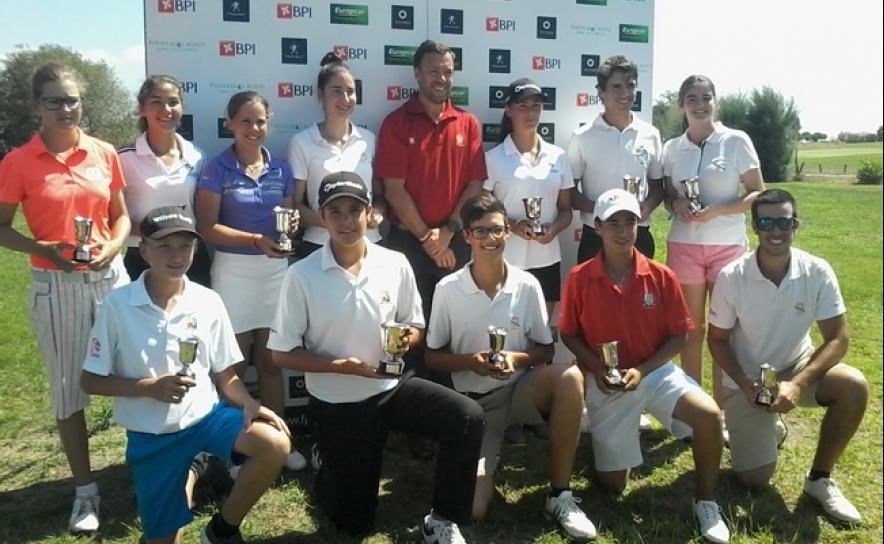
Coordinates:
[825,55]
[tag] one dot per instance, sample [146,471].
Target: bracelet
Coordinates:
[254,241]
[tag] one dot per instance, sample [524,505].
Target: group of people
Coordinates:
[460,260]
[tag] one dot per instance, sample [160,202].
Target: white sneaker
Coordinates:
[826,492]
[712,526]
[315,459]
[564,510]
[295,461]
[84,516]
[644,424]
[440,532]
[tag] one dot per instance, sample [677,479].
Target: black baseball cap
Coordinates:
[523,88]
[340,184]
[166,220]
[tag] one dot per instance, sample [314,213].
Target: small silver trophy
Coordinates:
[391,364]
[691,188]
[767,377]
[610,358]
[496,340]
[284,227]
[532,210]
[82,232]
[636,187]
[187,348]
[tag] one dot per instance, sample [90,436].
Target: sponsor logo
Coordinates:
[589,65]
[637,105]
[458,58]
[230,48]
[545,63]
[358,91]
[491,132]
[496,24]
[451,21]
[348,14]
[95,350]
[460,96]
[546,28]
[231,88]
[582,100]
[590,30]
[593,2]
[634,33]
[176,6]
[189,87]
[176,46]
[550,104]
[497,97]
[498,61]
[395,92]
[223,131]
[402,17]
[547,131]
[236,11]
[185,127]
[399,55]
[347,53]
[294,50]
[291,90]
[293,11]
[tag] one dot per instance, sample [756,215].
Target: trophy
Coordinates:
[284,227]
[532,210]
[767,377]
[635,187]
[82,232]
[496,339]
[691,188]
[608,354]
[391,364]
[187,348]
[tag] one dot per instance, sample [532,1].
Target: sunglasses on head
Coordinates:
[783,223]
[53,103]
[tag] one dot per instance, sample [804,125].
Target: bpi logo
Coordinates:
[230,48]
[545,63]
[189,87]
[546,28]
[589,65]
[395,92]
[585,100]
[290,90]
[236,11]
[350,53]
[289,11]
[176,6]
[496,24]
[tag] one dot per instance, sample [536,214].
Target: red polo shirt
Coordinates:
[641,317]
[52,192]
[435,158]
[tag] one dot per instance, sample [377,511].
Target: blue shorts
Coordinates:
[159,465]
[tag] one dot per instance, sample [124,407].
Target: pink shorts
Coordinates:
[695,263]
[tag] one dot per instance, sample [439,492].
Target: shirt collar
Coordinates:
[755,274]
[641,266]
[509,147]
[414,107]
[601,123]
[355,134]
[469,286]
[717,134]
[38,147]
[138,295]
[228,159]
[372,258]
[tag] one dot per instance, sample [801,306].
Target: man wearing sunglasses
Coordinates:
[521,388]
[762,309]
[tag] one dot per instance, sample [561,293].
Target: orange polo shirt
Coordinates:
[641,317]
[52,192]
[435,158]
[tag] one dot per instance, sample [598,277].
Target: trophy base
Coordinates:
[285,246]
[391,368]
[764,401]
[82,255]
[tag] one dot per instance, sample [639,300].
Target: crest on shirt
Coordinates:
[93,173]
[648,300]
[411,140]
[458,140]
[514,321]
[191,324]
[385,297]
[95,348]
[799,308]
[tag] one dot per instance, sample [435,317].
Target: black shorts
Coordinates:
[550,278]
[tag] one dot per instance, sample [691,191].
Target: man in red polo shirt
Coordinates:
[430,158]
[622,296]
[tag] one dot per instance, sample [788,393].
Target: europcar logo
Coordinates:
[634,33]
[593,2]
[547,131]
[498,61]
[497,97]
[292,11]
[546,28]
[545,63]
[294,50]
[347,53]
[491,132]
[176,6]
[496,24]
[460,96]
[396,92]
[399,55]
[230,48]
[291,90]
[402,17]
[236,11]
[451,21]
[589,65]
[348,14]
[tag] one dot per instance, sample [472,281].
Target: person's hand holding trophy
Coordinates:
[397,340]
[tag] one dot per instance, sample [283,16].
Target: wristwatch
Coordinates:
[453,226]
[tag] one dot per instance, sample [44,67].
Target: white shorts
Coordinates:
[62,306]
[613,419]
[249,286]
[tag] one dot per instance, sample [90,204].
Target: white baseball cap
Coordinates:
[613,201]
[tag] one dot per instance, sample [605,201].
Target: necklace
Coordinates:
[619,279]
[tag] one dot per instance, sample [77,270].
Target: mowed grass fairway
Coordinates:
[840,222]
[836,158]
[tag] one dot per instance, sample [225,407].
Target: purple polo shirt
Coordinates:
[246,204]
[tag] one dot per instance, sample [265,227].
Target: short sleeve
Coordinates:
[569,311]
[655,169]
[667,158]
[117,182]
[722,312]
[225,351]
[745,156]
[210,177]
[290,323]
[575,156]
[11,185]
[439,333]
[297,159]
[567,176]
[102,341]
[538,325]
[477,169]
[829,301]
[391,161]
[409,309]
[288,179]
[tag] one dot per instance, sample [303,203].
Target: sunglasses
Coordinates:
[53,103]
[482,232]
[767,224]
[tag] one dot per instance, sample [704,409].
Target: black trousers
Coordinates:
[351,438]
[200,270]
[591,244]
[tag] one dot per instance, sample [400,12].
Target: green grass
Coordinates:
[836,159]
[841,223]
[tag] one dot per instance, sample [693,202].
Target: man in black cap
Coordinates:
[354,401]
[164,348]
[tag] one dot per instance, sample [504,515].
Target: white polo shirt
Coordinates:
[600,155]
[332,313]
[462,313]
[312,158]
[511,178]
[151,184]
[134,338]
[772,324]
[720,162]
